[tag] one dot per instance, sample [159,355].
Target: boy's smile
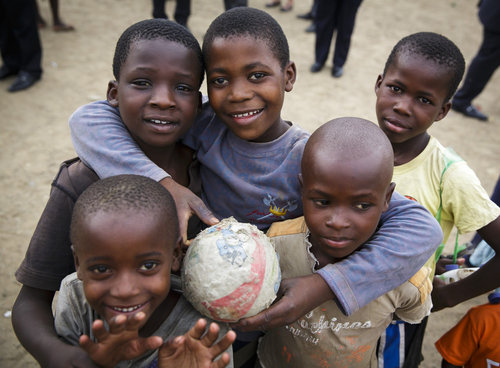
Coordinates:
[410,98]
[125,264]
[158,92]
[246,87]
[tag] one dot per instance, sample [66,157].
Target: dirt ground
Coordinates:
[35,139]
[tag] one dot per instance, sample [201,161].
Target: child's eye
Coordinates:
[100,269]
[184,88]
[142,83]
[363,206]
[148,266]
[257,76]
[219,82]
[395,89]
[320,202]
[425,100]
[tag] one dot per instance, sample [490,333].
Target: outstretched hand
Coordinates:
[296,297]
[194,351]
[187,204]
[121,342]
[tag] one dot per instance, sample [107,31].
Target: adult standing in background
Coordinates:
[484,63]
[20,43]
[229,4]
[334,15]
[182,10]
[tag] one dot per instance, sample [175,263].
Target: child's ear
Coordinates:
[290,73]
[378,83]
[77,262]
[177,256]
[388,195]
[444,111]
[112,93]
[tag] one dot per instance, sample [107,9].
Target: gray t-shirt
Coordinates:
[74,317]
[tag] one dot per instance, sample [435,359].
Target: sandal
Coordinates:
[272,4]
[286,8]
[62,27]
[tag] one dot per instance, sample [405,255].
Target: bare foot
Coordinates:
[62,27]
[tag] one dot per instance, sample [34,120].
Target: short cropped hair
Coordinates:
[351,138]
[153,29]
[434,47]
[251,22]
[125,193]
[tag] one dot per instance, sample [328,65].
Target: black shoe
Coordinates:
[24,80]
[470,111]
[306,16]
[5,72]
[316,67]
[311,28]
[337,71]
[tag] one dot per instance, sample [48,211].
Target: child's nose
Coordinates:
[240,91]
[125,286]
[162,97]
[403,105]
[337,219]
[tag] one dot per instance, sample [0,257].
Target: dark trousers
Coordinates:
[480,69]
[182,10]
[19,40]
[334,15]
[229,4]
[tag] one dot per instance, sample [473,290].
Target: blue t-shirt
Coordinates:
[258,183]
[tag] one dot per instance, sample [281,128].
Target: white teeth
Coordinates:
[126,310]
[160,122]
[244,115]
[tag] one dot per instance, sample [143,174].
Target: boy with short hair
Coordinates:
[250,158]
[346,186]
[151,56]
[125,237]
[420,77]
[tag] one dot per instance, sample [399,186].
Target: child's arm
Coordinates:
[192,350]
[121,342]
[33,324]
[103,142]
[483,280]
[408,236]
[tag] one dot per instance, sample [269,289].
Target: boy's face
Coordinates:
[124,262]
[158,92]
[246,87]
[343,200]
[411,97]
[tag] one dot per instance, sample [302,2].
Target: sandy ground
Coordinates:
[35,139]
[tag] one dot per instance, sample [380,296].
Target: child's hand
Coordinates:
[187,204]
[297,296]
[193,351]
[122,342]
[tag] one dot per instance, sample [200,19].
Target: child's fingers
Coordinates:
[152,343]
[224,343]
[198,329]
[99,330]
[222,362]
[211,335]
[170,347]
[117,324]
[86,343]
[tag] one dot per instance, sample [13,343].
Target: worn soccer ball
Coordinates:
[231,271]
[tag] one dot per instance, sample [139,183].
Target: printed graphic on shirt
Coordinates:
[277,209]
